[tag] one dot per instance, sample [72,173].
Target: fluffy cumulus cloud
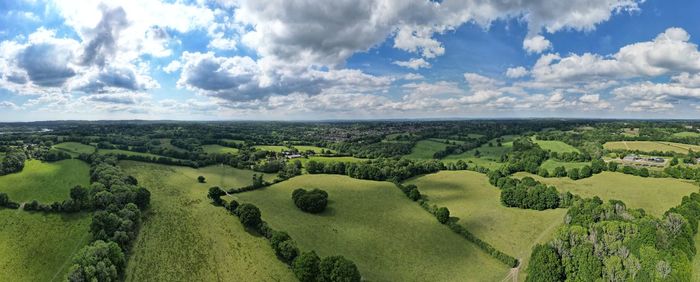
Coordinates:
[415,63]
[536,44]
[517,72]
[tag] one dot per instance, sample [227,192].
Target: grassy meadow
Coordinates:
[39,247]
[469,196]
[648,146]
[655,195]
[686,134]
[75,148]
[271,148]
[125,152]
[315,149]
[556,146]
[186,238]
[425,149]
[218,149]
[388,236]
[551,164]
[45,182]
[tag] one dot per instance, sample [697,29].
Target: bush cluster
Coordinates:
[525,193]
[6,203]
[314,201]
[379,169]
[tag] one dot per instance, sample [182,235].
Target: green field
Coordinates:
[648,146]
[425,149]
[315,149]
[686,134]
[331,159]
[388,236]
[45,182]
[556,146]
[39,247]
[490,155]
[469,196]
[186,238]
[75,148]
[165,143]
[271,148]
[551,164]
[218,149]
[655,195]
[124,152]
[472,161]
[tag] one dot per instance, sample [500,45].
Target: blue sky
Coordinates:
[302,60]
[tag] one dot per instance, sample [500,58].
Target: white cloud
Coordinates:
[415,63]
[517,72]
[536,44]
[7,105]
[648,106]
[172,67]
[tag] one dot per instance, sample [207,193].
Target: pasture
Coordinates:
[648,146]
[555,146]
[686,134]
[271,148]
[39,247]
[490,152]
[125,152]
[655,195]
[388,236]
[45,182]
[74,148]
[186,238]
[315,149]
[425,149]
[218,149]
[469,197]
[551,164]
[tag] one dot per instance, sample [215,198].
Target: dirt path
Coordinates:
[626,146]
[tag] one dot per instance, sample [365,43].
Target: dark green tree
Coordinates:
[545,265]
[443,215]
[249,215]
[306,267]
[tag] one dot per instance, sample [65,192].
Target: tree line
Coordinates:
[394,170]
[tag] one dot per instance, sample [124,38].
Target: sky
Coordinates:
[348,59]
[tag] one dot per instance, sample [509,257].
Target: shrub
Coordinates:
[314,201]
[339,269]
[232,206]
[201,179]
[443,215]
[306,267]
[215,194]
[249,215]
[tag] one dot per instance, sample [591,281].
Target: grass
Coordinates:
[655,195]
[469,196]
[218,149]
[331,159]
[186,238]
[124,152]
[39,247]
[648,146]
[45,182]
[388,236]
[482,162]
[686,134]
[315,149]
[556,146]
[490,155]
[551,164]
[425,149]
[75,148]
[165,143]
[271,148]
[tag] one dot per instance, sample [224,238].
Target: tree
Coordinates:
[99,261]
[443,215]
[414,194]
[585,172]
[201,179]
[249,215]
[79,194]
[306,267]
[674,161]
[258,181]
[338,269]
[4,199]
[215,194]
[573,173]
[232,206]
[560,171]
[543,172]
[545,265]
[314,201]
[143,198]
[612,166]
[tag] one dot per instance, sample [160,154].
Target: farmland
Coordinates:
[648,146]
[125,152]
[218,149]
[361,223]
[271,148]
[556,146]
[186,238]
[315,149]
[74,148]
[471,198]
[45,182]
[551,164]
[39,247]
[655,195]
[425,149]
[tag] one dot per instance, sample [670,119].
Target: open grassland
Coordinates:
[45,182]
[39,247]
[474,161]
[648,146]
[218,149]
[686,134]
[696,259]
[165,143]
[271,148]
[124,152]
[315,149]
[75,148]
[425,149]
[469,196]
[186,238]
[551,164]
[388,236]
[556,146]
[490,152]
[655,195]
[331,159]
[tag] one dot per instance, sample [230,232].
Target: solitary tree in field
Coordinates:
[249,215]
[443,215]
[201,179]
